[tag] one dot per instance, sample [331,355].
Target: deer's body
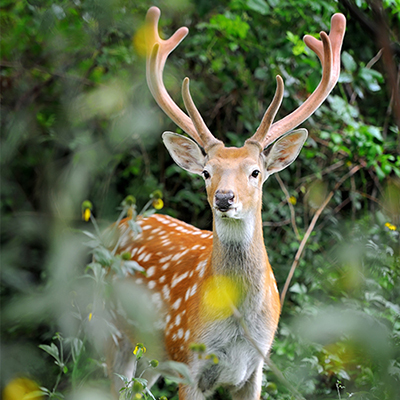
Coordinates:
[178,259]
[217,288]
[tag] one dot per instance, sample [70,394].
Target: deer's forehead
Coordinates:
[234,158]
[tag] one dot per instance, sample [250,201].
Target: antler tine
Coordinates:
[201,128]
[328,52]
[269,114]
[158,51]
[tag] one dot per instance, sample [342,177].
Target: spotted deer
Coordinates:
[190,272]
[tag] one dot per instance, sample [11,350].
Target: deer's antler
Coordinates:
[328,51]
[157,52]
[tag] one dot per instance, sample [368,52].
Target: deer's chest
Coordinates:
[234,352]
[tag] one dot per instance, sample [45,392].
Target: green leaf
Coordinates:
[348,62]
[259,6]
[52,350]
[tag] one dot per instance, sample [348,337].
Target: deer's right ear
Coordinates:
[185,152]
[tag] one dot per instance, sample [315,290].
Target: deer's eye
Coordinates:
[255,173]
[206,174]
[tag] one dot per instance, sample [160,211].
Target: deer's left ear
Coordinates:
[284,151]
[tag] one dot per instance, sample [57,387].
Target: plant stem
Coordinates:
[311,228]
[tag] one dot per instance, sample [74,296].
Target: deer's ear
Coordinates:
[284,151]
[185,152]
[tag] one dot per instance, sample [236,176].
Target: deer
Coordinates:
[187,269]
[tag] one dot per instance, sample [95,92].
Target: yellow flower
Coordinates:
[220,297]
[139,40]
[158,204]
[90,316]
[22,388]
[86,214]
[212,357]
[87,207]
[293,200]
[139,350]
[390,226]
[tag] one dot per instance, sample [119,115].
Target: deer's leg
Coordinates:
[251,390]
[190,393]
[119,360]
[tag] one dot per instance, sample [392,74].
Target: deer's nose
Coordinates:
[224,199]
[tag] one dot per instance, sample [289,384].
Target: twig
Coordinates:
[311,228]
[292,212]
[323,172]
[370,64]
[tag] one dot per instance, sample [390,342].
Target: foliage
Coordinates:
[78,122]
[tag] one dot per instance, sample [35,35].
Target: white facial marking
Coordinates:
[231,230]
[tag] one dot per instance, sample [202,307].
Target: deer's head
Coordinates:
[234,176]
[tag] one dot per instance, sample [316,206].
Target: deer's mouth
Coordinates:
[228,213]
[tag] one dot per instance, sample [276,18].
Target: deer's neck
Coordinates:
[238,247]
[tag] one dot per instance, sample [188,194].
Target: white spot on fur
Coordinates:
[166,292]
[201,267]
[156,299]
[133,252]
[166,258]
[151,284]
[187,335]
[141,249]
[142,256]
[177,303]
[165,266]
[191,291]
[150,271]
[179,279]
